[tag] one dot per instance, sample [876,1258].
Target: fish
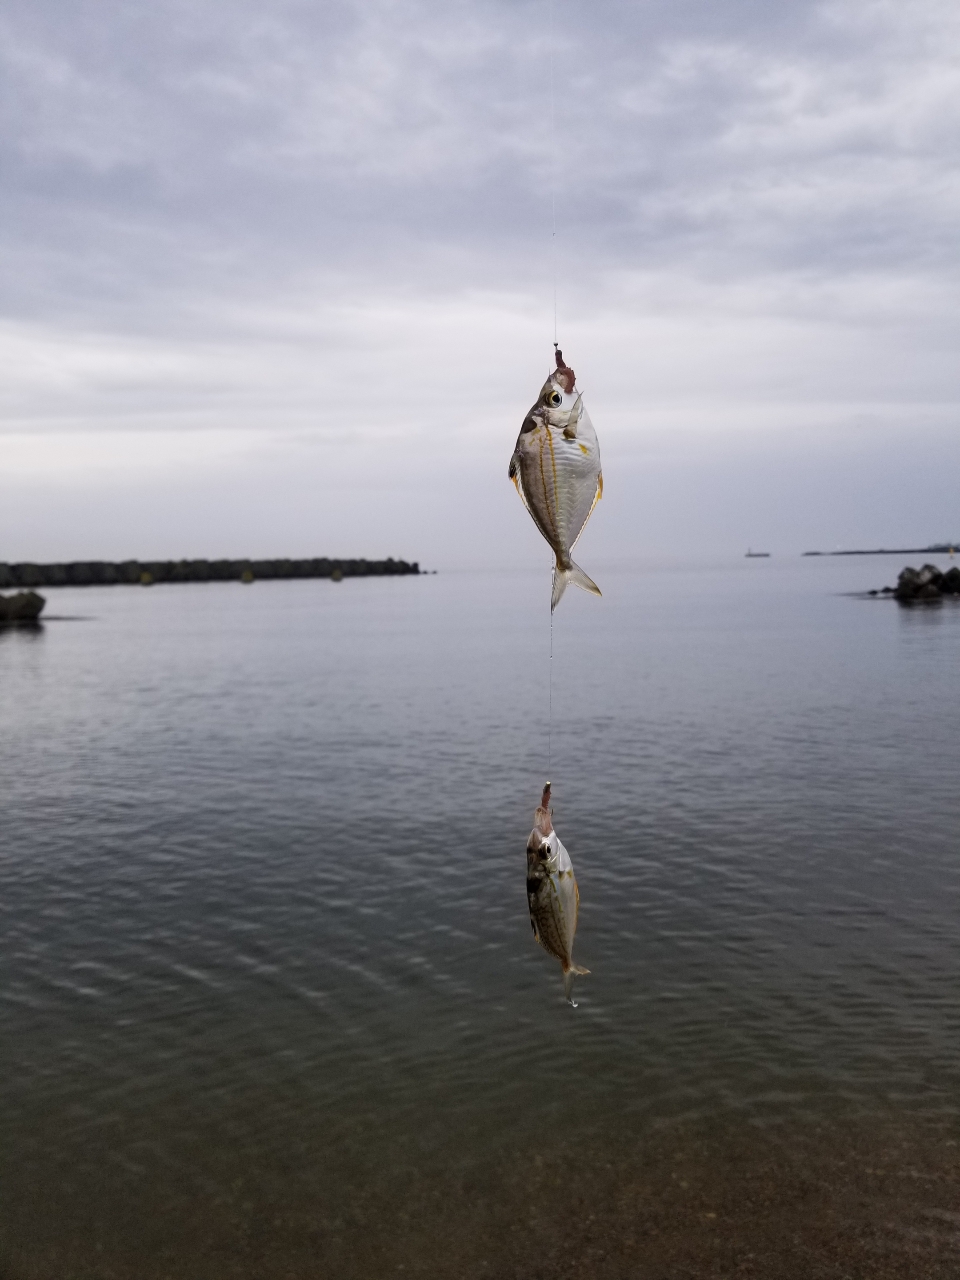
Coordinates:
[556,468]
[552,893]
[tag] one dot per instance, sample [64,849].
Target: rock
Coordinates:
[926,584]
[25,606]
[908,584]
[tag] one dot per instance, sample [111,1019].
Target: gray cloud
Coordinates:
[312,244]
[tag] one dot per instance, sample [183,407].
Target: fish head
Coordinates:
[543,843]
[541,853]
[559,403]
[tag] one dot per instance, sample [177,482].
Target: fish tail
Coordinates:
[572,573]
[568,977]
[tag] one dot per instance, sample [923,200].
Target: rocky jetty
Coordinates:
[918,586]
[24,607]
[102,573]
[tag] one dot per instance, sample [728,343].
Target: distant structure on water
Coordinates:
[757,555]
[103,573]
[940,547]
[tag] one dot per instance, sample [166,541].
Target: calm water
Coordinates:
[270,1001]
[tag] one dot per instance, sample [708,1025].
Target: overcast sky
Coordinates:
[277,278]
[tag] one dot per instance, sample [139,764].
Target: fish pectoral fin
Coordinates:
[570,430]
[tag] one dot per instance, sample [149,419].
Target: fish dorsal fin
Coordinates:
[514,474]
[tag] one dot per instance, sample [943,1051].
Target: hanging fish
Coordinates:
[556,468]
[552,893]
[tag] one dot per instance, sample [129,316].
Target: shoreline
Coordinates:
[109,573]
[945,548]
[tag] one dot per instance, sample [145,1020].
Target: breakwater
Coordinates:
[940,548]
[104,573]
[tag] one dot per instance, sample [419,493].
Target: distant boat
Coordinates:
[757,555]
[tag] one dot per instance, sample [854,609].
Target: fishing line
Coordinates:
[550,703]
[553,175]
[553,267]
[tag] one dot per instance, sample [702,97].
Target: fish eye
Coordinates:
[555,398]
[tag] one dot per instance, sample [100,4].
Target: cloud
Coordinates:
[328,231]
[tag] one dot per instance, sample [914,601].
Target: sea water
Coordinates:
[271,1004]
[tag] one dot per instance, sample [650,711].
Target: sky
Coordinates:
[278,279]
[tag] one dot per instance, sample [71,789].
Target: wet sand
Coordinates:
[869,1199]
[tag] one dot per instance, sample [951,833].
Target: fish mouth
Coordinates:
[542,837]
[542,822]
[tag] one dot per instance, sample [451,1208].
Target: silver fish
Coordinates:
[552,893]
[556,468]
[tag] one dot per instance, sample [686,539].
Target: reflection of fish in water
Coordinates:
[556,468]
[552,893]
